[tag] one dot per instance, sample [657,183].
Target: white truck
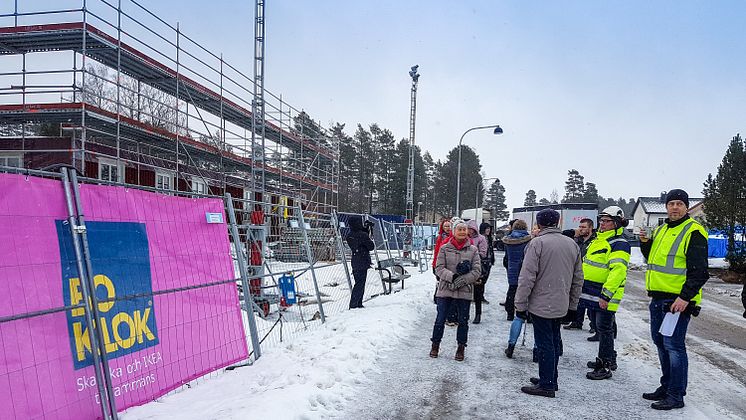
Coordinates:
[480,214]
[570,214]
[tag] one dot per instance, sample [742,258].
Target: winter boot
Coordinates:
[602,371]
[593,364]
[574,326]
[477,318]
[434,350]
[535,390]
[460,352]
[535,381]
[667,404]
[594,337]
[657,395]
[509,351]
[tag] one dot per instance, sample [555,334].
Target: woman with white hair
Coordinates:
[458,267]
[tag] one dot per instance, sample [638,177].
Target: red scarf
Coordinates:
[459,245]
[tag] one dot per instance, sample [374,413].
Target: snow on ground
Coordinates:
[372,363]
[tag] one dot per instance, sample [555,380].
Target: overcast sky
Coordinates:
[639,96]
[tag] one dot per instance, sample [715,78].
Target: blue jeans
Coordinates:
[671,350]
[445,305]
[547,339]
[515,330]
[605,331]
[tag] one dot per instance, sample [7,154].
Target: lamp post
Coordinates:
[497,130]
[419,216]
[476,199]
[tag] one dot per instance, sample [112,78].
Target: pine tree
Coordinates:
[399,178]
[574,187]
[725,200]
[544,201]
[363,200]
[427,201]
[384,149]
[347,167]
[530,199]
[495,200]
[591,193]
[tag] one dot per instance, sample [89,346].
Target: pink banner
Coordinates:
[141,244]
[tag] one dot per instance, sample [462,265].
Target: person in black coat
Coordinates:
[360,245]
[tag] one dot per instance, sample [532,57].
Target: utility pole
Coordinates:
[410,170]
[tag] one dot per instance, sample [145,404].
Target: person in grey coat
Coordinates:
[458,267]
[549,288]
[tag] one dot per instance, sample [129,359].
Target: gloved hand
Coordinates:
[457,283]
[522,314]
[463,267]
[570,316]
[453,279]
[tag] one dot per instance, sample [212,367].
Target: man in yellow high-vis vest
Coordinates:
[677,270]
[605,273]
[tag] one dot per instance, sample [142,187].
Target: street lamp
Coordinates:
[419,216]
[497,130]
[476,199]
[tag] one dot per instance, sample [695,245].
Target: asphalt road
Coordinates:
[720,321]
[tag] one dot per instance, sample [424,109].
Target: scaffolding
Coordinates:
[122,95]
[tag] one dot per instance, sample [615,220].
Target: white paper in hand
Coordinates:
[669,323]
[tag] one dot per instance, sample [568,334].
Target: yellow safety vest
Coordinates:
[607,264]
[667,260]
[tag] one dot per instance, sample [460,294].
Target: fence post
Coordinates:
[243,272]
[88,289]
[385,240]
[340,247]
[311,262]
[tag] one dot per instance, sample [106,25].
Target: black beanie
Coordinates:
[678,194]
[547,218]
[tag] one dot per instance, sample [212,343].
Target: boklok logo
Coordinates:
[121,273]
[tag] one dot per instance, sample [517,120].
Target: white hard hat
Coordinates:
[613,211]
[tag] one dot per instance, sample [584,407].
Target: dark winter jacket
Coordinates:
[515,244]
[360,244]
[490,243]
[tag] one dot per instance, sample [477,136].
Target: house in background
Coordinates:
[651,211]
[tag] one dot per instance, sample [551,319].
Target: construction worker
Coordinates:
[604,272]
[677,269]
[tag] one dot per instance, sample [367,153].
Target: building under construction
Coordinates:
[122,95]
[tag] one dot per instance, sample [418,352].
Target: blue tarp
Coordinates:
[717,243]
[717,247]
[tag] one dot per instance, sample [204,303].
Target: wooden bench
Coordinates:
[391,272]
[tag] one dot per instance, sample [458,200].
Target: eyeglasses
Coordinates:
[604,220]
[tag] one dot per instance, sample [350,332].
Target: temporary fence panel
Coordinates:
[164,289]
[282,241]
[373,283]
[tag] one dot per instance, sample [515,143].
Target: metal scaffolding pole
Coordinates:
[410,169]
